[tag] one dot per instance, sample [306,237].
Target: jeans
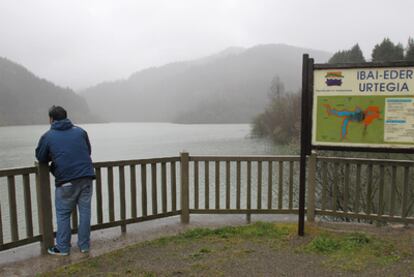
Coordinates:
[67,197]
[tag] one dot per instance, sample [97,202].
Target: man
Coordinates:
[68,147]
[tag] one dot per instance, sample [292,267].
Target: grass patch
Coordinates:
[353,252]
[218,252]
[256,230]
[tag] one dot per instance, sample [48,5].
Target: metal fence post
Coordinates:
[44,206]
[311,188]
[185,206]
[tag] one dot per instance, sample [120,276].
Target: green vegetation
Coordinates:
[281,119]
[250,249]
[409,54]
[355,251]
[354,55]
[387,51]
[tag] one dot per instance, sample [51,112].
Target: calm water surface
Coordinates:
[120,141]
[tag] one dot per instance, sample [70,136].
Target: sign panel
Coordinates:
[364,107]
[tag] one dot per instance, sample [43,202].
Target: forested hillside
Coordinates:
[229,87]
[25,98]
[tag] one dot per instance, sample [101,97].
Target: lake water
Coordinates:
[122,141]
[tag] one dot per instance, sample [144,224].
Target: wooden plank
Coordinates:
[173,186]
[111,193]
[335,187]
[144,189]
[122,197]
[196,185]
[311,202]
[17,171]
[19,243]
[393,190]
[136,162]
[324,184]
[280,193]
[132,220]
[362,161]
[249,185]
[381,190]
[227,184]
[1,228]
[217,190]
[245,158]
[27,206]
[404,210]
[44,206]
[12,208]
[238,185]
[207,185]
[164,187]
[98,183]
[369,189]
[244,211]
[357,188]
[269,184]
[75,219]
[185,194]
[133,188]
[291,168]
[154,188]
[367,217]
[346,187]
[259,185]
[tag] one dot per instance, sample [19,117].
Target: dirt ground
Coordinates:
[216,257]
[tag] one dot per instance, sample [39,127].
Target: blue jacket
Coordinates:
[68,147]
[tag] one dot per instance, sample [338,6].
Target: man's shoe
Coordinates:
[55,251]
[85,251]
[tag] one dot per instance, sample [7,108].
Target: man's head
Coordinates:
[57,113]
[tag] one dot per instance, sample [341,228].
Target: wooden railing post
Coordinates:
[311,188]
[44,206]
[185,209]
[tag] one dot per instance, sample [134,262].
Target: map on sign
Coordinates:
[364,107]
[350,119]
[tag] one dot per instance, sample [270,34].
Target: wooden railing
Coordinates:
[139,190]
[244,185]
[364,189]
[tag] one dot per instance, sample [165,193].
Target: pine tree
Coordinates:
[409,54]
[354,55]
[387,51]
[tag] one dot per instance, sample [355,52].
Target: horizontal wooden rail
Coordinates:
[17,171]
[367,161]
[135,162]
[244,158]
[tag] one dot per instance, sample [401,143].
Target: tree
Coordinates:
[353,55]
[281,119]
[387,51]
[277,88]
[409,54]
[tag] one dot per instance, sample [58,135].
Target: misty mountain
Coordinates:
[228,87]
[25,98]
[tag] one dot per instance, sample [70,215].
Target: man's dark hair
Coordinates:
[57,113]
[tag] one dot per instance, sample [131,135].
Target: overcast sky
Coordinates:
[79,43]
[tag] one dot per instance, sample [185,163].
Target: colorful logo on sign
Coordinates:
[334,78]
